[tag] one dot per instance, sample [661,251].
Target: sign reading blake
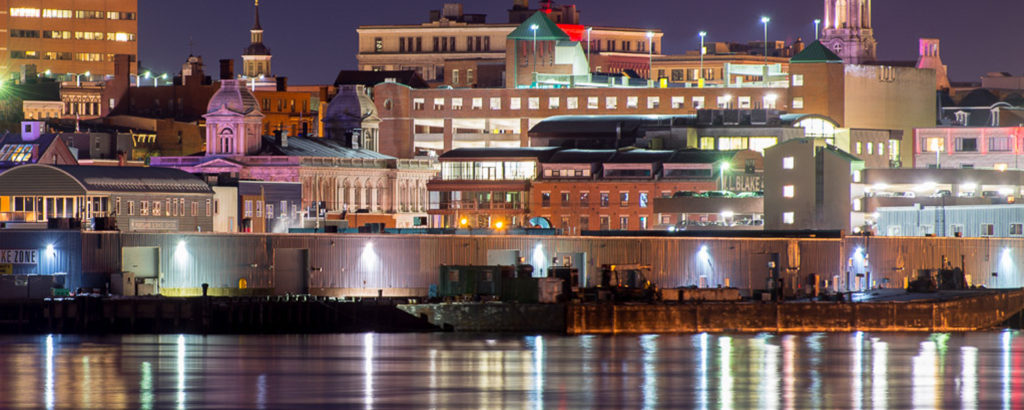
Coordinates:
[19,256]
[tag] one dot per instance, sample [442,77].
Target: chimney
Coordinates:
[227,69]
[282,83]
[281,137]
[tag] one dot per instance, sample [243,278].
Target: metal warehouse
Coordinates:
[406,265]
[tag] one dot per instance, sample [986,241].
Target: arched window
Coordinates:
[817,127]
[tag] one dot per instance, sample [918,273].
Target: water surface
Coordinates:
[444,370]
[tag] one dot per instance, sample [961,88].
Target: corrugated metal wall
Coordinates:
[412,261]
[65,258]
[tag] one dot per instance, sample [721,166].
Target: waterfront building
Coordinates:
[967,221]
[452,35]
[808,186]
[578,190]
[68,40]
[106,198]
[34,146]
[931,187]
[987,147]
[337,179]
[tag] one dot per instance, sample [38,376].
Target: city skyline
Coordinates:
[166,42]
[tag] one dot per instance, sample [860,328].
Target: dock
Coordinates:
[877,311]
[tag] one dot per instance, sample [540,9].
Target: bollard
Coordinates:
[206,286]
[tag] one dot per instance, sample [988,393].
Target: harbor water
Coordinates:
[445,370]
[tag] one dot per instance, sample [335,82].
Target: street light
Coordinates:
[589,29]
[721,179]
[765,20]
[533,28]
[700,81]
[816,23]
[650,57]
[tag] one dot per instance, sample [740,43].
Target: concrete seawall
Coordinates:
[968,313]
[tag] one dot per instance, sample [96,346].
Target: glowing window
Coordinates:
[788,191]
[787,218]
[787,163]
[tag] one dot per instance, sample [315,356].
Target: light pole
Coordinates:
[650,58]
[589,29]
[765,20]
[721,178]
[816,23]
[700,76]
[533,28]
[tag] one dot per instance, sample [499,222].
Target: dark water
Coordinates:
[858,370]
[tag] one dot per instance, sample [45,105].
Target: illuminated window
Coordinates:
[744,102]
[438,104]
[936,144]
[856,205]
[456,103]
[698,103]
[798,103]
[611,103]
[732,143]
[816,127]
[553,103]
[592,103]
[572,103]
[514,103]
[56,14]
[856,176]
[533,103]
[679,102]
[870,148]
[24,12]
[787,218]
[632,102]
[477,103]
[455,76]
[1016,229]
[856,148]
[787,163]
[653,103]
[798,80]
[707,143]
[759,144]
[788,191]
[495,103]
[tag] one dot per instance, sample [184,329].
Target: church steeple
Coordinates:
[848,31]
[256,58]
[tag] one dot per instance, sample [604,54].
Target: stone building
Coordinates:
[847,31]
[336,178]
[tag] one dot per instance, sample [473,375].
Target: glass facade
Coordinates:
[489,170]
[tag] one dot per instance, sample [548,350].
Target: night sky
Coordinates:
[312,39]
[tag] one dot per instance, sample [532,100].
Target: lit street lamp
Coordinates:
[700,77]
[816,23]
[533,28]
[765,20]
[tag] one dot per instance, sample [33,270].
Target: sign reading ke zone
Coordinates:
[19,256]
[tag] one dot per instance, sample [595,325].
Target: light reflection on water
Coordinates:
[787,371]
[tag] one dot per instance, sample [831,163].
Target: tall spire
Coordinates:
[257,25]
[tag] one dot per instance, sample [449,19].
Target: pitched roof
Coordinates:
[318,147]
[541,153]
[132,179]
[372,78]
[547,30]
[816,53]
